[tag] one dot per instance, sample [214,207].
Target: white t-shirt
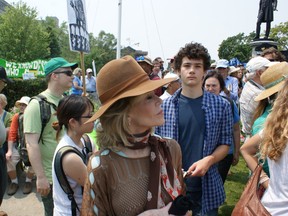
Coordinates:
[62,205]
[275,198]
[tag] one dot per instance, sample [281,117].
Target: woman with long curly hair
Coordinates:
[273,141]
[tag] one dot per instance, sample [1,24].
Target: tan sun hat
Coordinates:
[272,79]
[122,78]
[233,69]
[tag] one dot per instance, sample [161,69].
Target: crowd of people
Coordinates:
[166,139]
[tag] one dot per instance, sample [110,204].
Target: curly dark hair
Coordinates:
[192,51]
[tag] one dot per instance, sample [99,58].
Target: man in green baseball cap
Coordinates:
[41,143]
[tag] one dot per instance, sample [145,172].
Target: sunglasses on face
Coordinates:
[68,72]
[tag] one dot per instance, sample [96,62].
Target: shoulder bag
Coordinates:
[250,201]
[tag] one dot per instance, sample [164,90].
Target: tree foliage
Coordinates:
[102,49]
[51,26]
[280,34]
[238,46]
[22,37]
[235,46]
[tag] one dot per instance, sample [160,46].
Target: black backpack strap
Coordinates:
[45,111]
[87,150]
[60,174]
[21,137]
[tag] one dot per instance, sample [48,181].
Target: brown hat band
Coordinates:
[123,87]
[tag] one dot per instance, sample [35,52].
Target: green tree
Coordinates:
[280,34]
[236,46]
[22,37]
[102,49]
[52,28]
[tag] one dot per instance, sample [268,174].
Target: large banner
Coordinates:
[26,70]
[78,32]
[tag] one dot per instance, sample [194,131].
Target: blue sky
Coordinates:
[161,27]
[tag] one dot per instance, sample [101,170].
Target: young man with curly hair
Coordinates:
[202,124]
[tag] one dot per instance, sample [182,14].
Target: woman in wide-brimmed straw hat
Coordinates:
[273,148]
[135,171]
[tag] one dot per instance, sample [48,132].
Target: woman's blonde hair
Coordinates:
[114,128]
[276,127]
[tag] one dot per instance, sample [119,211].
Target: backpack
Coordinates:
[59,172]
[45,114]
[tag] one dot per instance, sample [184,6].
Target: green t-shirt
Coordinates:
[32,124]
[7,119]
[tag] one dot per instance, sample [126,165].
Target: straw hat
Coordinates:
[272,79]
[233,69]
[122,78]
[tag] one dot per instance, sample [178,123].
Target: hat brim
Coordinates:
[8,80]
[72,65]
[222,66]
[145,61]
[234,71]
[268,92]
[143,88]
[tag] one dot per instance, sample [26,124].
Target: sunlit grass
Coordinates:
[234,186]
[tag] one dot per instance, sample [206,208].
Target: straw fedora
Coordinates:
[122,78]
[272,79]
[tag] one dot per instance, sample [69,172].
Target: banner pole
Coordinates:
[83,72]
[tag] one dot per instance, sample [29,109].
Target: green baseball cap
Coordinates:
[56,63]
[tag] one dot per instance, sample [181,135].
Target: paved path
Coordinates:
[23,205]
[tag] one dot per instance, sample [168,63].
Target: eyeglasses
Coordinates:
[68,72]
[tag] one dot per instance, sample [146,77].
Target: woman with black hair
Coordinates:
[72,113]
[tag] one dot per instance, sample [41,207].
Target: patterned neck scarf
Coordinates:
[161,171]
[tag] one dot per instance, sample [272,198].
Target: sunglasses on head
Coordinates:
[140,58]
[68,72]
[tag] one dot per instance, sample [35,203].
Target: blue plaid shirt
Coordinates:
[218,131]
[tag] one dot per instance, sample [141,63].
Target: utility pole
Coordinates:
[118,54]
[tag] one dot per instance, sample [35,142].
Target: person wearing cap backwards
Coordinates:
[231,83]
[90,82]
[58,74]
[135,172]
[12,155]
[255,67]
[3,171]
[172,87]
[273,140]
[202,124]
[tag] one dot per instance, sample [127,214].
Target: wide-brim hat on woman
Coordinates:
[122,78]
[273,79]
[23,100]
[233,69]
